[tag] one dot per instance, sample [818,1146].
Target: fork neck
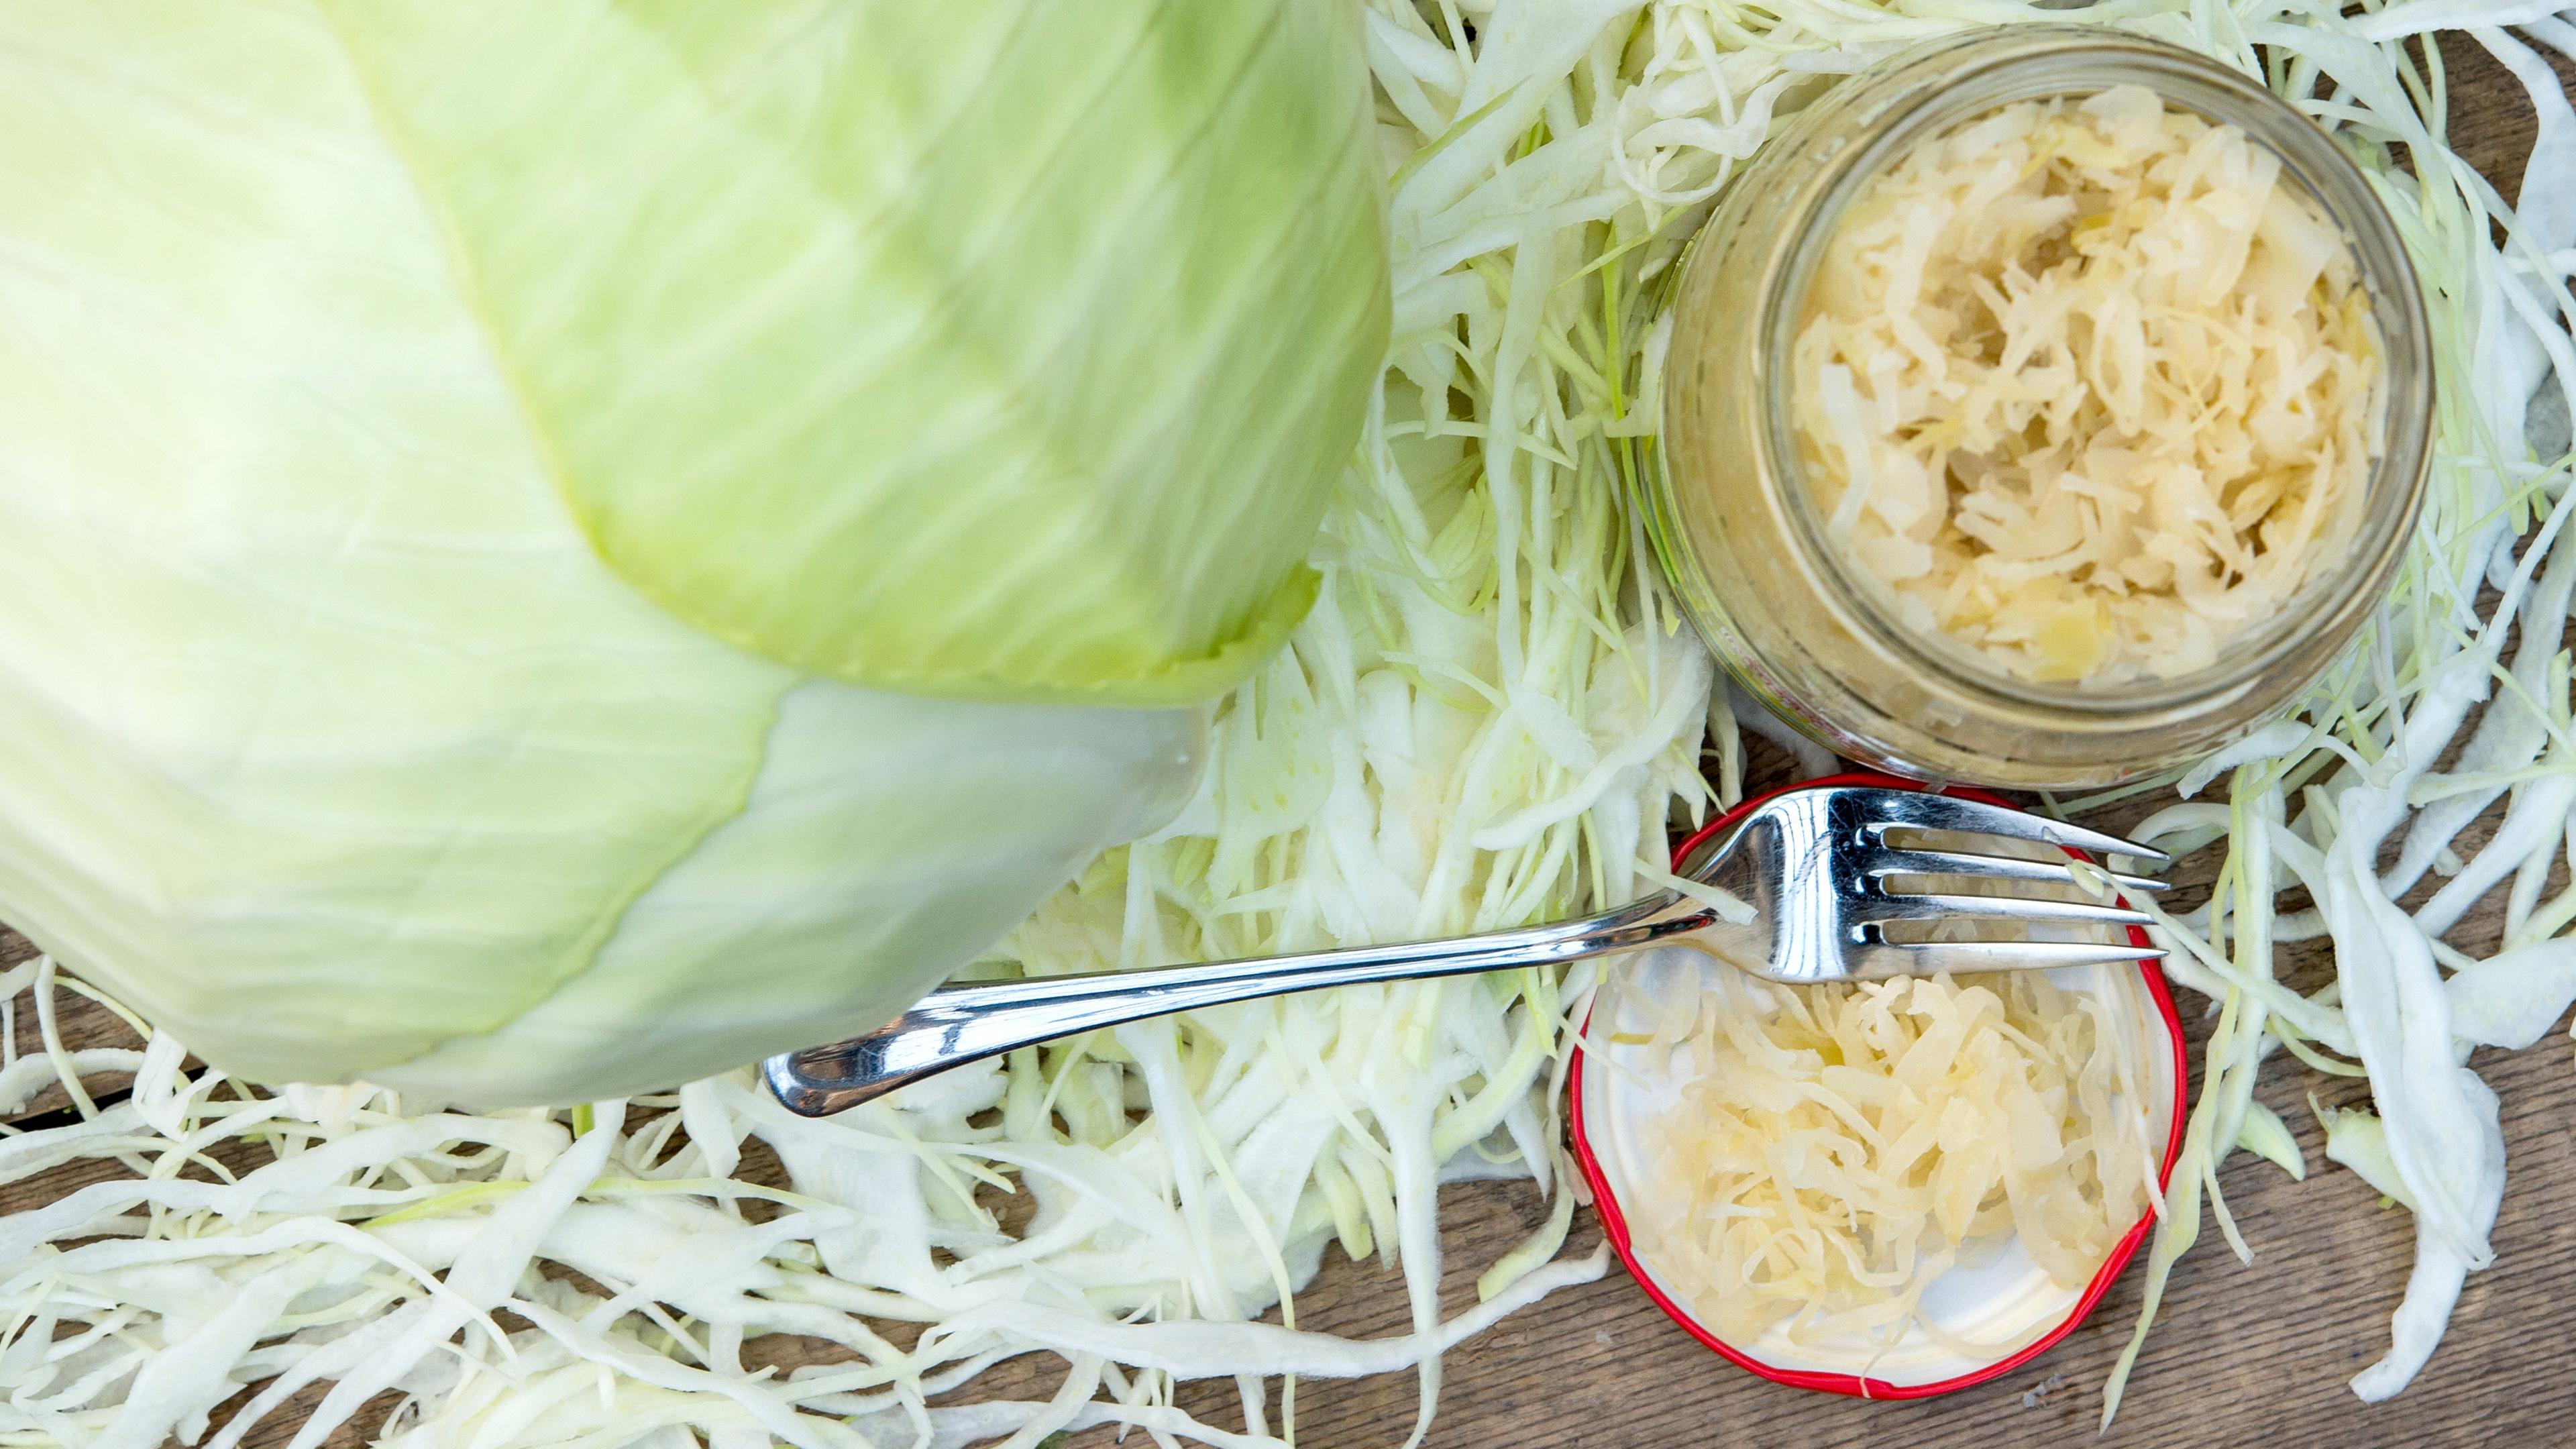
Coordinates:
[1719,857]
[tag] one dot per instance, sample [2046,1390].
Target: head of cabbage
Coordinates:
[559,548]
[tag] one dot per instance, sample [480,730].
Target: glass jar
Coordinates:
[1789,615]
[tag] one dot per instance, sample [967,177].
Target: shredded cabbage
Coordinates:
[2088,386]
[1819,1155]
[1489,717]
[2313,807]
[360,1238]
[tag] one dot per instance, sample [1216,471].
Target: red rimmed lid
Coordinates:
[2005,1300]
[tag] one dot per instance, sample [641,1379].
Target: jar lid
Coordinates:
[2007,1299]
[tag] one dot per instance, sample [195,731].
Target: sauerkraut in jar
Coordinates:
[2087,385]
[2046,408]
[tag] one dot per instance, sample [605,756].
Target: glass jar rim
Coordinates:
[2045,61]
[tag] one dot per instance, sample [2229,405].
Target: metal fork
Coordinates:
[1815,864]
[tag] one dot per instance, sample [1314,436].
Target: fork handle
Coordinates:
[961,1024]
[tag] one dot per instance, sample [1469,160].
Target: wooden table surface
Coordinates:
[2242,1355]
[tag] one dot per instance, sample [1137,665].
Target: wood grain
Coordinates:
[2242,1355]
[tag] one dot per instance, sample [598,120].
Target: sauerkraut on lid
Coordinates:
[1891,1189]
[1828,1152]
[2089,385]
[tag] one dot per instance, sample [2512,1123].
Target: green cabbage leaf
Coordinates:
[996,350]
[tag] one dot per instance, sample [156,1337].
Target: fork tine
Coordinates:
[1922,810]
[1923,958]
[1911,907]
[1890,861]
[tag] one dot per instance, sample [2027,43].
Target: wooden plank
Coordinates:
[2242,1355]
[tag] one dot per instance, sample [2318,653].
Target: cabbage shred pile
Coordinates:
[1492,717]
